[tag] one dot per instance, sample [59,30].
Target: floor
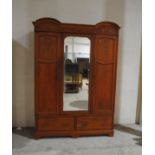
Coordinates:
[77,101]
[126,141]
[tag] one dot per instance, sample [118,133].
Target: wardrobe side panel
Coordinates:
[104,74]
[46,72]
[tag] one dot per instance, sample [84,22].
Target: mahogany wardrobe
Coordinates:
[51,119]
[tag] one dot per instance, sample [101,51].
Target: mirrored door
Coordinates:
[76,73]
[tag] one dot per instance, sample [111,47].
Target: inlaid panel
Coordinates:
[105,50]
[47,47]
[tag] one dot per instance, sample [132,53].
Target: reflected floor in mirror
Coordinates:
[78,100]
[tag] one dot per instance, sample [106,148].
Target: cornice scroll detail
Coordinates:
[107,28]
[47,24]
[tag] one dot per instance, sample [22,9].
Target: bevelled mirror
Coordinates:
[76,73]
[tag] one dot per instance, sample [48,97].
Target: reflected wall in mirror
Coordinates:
[76,73]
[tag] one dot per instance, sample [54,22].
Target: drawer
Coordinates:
[56,123]
[94,123]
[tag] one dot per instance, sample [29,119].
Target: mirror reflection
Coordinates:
[76,73]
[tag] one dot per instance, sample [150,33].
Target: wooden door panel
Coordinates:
[47,47]
[103,87]
[105,50]
[47,88]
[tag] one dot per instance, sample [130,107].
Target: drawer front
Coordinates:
[57,124]
[94,123]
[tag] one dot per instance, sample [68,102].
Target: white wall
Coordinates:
[127,13]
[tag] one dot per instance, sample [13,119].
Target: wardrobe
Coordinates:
[50,117]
